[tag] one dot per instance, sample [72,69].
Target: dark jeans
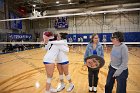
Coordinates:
[93,77]
[121,81]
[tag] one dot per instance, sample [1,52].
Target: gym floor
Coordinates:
[24,72]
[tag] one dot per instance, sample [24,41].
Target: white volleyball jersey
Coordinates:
[51,54]
[54,47]
[62,57]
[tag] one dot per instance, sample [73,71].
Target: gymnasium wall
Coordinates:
[80,26]
[103,24]
[2,24]
[2,14]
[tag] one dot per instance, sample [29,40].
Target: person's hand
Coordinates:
[45,39]
[85,65]
[117,73]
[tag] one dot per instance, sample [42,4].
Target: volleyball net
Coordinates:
[78,47]
[71,43]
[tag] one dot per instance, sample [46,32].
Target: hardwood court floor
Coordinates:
[19,72]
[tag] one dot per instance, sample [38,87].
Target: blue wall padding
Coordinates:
[132,36]
[129,36]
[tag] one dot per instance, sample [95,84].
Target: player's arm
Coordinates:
[47,46]
[58,42]
[45,39]
[64,48]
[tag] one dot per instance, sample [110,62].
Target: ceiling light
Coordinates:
[69,0]
[57,2]
[34,5]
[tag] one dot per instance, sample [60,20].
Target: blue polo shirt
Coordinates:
[95,52]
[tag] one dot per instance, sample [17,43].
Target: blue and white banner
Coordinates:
[105,37]
[16,24]
[14,36]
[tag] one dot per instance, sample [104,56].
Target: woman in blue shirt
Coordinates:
[94,47]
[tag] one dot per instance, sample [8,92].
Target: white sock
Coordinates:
[68,77]
[48,92]
[61,77]
[62,82]
[71,83]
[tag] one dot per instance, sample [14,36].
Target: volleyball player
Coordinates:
[62,66]
[49,59]
[54,47]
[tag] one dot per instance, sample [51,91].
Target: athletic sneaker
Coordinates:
[95,89]
[90,89]
[53,90]
[71,86]
[60,87]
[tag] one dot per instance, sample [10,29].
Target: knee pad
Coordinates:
[61,77]
[68,77]
[49,80]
